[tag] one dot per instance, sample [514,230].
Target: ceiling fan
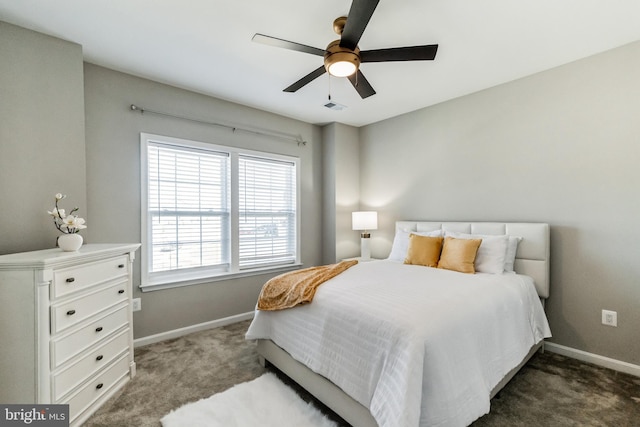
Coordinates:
[342,57]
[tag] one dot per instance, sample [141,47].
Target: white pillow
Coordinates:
[401,242]
[512,248]
[491,254]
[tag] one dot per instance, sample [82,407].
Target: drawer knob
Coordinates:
[71,312]
[99,329]
[120,265]
[99,357]
[70,280]
[99,386]
[121,291]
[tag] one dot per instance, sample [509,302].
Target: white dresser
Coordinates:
[66,326]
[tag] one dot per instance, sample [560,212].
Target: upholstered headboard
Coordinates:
[532,257]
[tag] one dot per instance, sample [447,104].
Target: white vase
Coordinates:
[70,242]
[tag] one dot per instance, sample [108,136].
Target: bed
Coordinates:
[388,344]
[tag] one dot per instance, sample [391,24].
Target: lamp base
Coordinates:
[365,249]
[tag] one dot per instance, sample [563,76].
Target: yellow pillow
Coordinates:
[459,254]
[423,250]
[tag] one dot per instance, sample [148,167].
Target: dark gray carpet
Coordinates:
[178,371]
[551,390]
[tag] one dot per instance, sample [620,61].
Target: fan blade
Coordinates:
[306,79]
[361,85]
[286,44]
[409,53]
[357,20]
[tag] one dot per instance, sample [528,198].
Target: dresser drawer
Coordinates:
[72,312]
[97,387]
[65,347]
[68,280]
[94,360]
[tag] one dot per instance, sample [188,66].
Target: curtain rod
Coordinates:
[271,134]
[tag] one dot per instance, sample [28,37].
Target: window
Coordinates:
[267,208]
[212,211]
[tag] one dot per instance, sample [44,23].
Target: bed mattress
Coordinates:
[418,346]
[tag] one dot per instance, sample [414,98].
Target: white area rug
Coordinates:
[263,402]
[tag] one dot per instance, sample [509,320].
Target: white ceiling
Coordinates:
[205,46]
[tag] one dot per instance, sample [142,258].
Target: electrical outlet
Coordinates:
[136,305]
[609,318]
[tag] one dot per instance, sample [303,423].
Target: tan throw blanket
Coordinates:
[298,287]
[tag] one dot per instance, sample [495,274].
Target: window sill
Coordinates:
[148,287]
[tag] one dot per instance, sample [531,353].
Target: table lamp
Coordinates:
[364,221]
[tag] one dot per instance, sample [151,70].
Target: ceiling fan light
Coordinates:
[340,61]
[342,68]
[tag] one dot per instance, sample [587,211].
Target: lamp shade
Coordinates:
[342,68]
[367,220]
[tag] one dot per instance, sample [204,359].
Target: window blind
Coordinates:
[267,211]
[188,208]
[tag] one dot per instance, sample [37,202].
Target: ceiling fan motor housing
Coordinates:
[335,53]
[338,24]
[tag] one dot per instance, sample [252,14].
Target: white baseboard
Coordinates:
[138,342]
[606,362]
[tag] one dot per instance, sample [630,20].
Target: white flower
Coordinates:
[55,212]
[73,223]
[80,223]
[66,223]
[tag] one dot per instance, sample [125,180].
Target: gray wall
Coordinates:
[341,196]
[41,136]
[562,147]
[113,182]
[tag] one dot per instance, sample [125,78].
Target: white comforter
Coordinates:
[418,346]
